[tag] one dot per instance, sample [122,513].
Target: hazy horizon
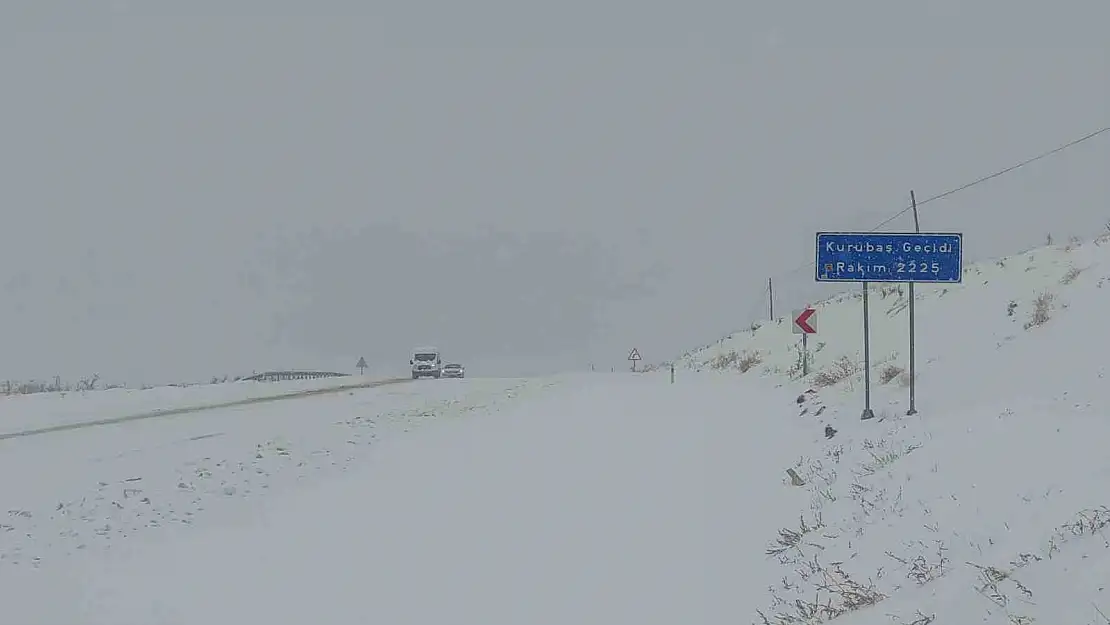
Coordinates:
[245,186]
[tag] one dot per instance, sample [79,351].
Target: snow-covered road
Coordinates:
[82,489]
[30,415]
[610,499]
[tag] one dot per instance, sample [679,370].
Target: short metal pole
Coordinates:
[867,412]
[805,355]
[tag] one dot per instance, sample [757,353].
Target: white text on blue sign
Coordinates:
[889,257]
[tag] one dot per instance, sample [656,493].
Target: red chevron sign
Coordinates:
[802,323]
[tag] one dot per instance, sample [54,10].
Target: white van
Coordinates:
[426,362]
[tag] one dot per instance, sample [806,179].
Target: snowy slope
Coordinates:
[982,319]
[989,506]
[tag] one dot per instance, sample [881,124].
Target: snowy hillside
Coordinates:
[1041,304]
[990,505]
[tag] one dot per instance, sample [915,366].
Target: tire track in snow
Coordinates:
[183,410]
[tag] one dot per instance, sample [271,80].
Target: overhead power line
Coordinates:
[996,174]
[973,183]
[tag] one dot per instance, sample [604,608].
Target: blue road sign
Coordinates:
[889,257]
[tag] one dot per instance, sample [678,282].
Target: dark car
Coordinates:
[454,370]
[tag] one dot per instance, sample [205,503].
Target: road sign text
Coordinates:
[889,257]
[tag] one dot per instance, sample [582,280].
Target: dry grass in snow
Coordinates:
[989,505]
[996,301]
[958,499]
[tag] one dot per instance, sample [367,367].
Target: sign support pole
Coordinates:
[913,332]
[867,412]
[894,257]
[805,355]
[802,324]
[634,356]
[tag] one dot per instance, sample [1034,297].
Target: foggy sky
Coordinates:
[209,188]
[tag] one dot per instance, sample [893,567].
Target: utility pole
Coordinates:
[771,299]
[913,330]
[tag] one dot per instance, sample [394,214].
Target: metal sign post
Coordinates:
[804,323]
[902,257]
[634,356]
[867,412]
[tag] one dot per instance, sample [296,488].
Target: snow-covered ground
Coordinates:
[989,505]
[607,499]
[620,498]
[69,491]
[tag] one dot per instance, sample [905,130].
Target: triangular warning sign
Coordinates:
[634,354]
[361,363]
